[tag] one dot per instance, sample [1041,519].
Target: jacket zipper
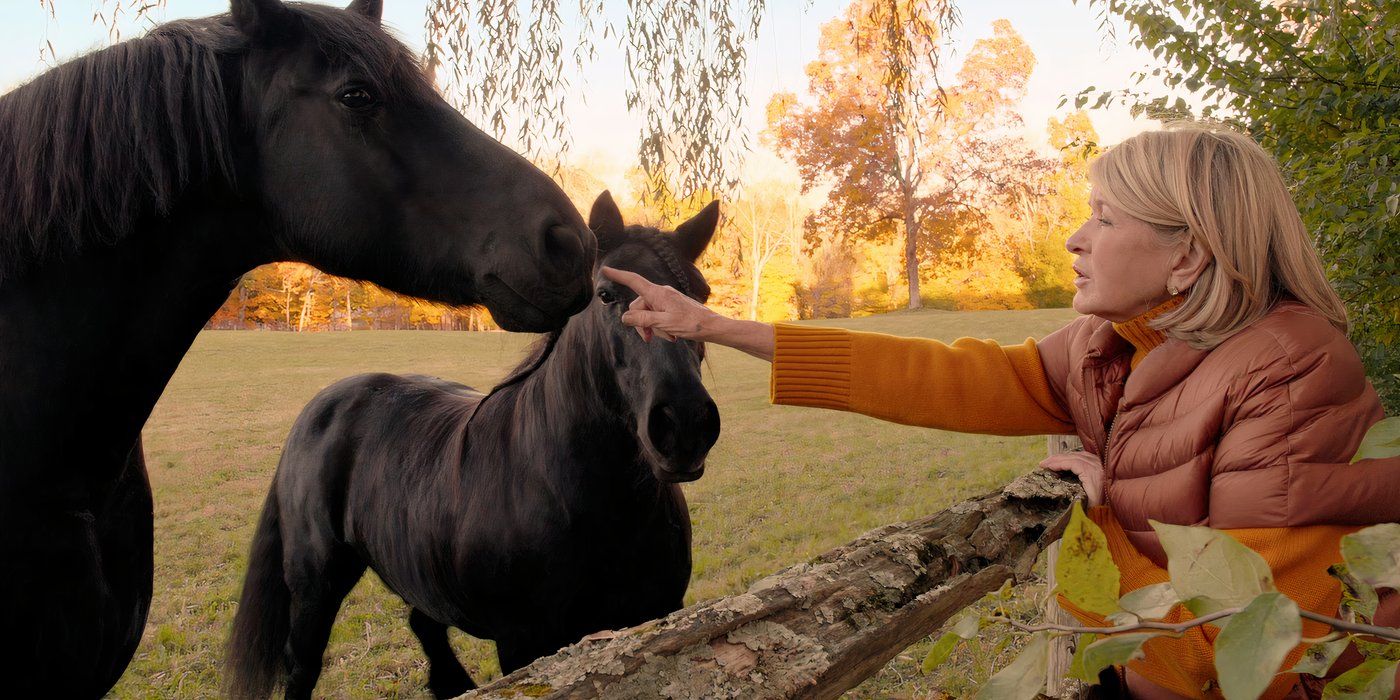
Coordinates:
[1103,458]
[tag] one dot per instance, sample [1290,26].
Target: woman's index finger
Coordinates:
[629,279]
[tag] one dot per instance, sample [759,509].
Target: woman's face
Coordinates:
[1122,264]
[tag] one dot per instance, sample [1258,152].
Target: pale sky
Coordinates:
[1064,35]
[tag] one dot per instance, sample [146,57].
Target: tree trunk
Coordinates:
[911,252]
[242,303]
[816,629]
[753,293]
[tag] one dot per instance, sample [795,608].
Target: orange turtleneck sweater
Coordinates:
[978,386]
[1141,334]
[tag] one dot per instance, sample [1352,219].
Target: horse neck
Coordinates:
[92,339]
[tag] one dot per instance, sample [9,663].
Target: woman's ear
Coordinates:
[1189,263]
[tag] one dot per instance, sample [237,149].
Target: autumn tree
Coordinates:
[903,155]
[1045,210]
[766,223]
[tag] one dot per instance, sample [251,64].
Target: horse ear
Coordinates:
[606,221]
[373,9]
[694,235]
[259,19]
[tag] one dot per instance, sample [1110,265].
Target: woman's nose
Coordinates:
[1075,242]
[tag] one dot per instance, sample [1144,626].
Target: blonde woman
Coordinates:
[1210,380]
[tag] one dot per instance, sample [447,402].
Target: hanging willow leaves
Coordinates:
[111,15]
[685,77]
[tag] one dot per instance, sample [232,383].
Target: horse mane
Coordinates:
[93,145]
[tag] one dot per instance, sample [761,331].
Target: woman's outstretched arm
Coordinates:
[971,386]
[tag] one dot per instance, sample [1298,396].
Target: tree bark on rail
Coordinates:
[815,629]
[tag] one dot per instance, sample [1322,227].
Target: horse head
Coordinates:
[363,170]
[676,420]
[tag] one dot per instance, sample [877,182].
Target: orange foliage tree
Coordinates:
[924,166]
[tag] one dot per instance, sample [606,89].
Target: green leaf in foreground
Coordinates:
[1086,573]
[1373,679]
[1251,648]
[940,652]
[965,628]
[1096,656]
[1373,555]
[1076,662]
[1212,567]
[1357,595]
[1024,677]
[1381,441]
[1389,651]
[1320,657]
[1146,603]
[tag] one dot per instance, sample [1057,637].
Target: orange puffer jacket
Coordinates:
[1255,433]
[1253,437]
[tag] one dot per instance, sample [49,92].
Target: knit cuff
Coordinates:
[811,367]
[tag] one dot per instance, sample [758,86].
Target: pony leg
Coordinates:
[446,677]
[316,595]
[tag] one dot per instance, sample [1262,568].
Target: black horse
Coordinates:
[542,512]
[137,184]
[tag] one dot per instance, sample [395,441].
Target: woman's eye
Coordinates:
[356,98]
[1105,222]
[606,296]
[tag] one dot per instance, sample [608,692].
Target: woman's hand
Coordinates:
[1085,466]
[664,312]
[661,310]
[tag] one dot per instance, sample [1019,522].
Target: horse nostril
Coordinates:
[709,423]
[661,428]
[563,247]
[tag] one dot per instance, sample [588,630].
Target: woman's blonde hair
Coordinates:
[1203,182]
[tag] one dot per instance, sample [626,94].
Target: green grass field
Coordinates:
[782,485]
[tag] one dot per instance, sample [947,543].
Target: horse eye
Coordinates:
[356,98]
[606,296]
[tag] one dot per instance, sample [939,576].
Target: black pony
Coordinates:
[137,184]
[542,512]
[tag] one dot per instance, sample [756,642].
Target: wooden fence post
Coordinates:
[1062,648]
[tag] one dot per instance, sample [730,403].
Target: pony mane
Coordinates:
[90,147]
[686,277]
